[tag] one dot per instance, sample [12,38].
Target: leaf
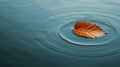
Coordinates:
[87,29]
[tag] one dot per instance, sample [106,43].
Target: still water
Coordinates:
[38,33]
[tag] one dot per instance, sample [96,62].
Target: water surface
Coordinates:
[36,33]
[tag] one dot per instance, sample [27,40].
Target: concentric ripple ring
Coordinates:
[57,34]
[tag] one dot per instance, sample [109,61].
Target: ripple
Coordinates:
[57,34]
[66,33]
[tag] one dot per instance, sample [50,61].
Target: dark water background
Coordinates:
[38,33]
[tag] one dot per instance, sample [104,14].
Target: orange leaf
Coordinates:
[87,29]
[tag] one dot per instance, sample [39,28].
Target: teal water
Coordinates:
[38,33]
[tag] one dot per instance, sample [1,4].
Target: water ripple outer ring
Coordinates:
[51,40]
